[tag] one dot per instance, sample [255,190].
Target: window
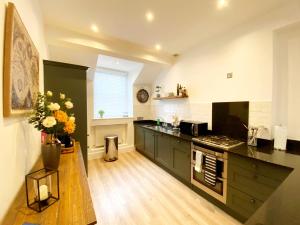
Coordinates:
[110,93]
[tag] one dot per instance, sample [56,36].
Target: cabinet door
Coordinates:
[243,204]
[139,138]
[163,153]
[181,151]
[149,143]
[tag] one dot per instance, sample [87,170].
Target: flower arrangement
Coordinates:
[51,117]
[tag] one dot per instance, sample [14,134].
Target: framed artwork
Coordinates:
[21,67]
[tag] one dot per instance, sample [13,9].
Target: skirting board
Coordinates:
[97,153]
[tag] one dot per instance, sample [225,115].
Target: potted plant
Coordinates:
[158,88]
[53,120]
[101,113]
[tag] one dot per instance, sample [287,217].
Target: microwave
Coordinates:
[193,128]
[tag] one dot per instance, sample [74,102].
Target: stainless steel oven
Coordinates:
[212,176]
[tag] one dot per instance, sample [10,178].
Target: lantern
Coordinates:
[42,189]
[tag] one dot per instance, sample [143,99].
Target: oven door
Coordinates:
[219,190]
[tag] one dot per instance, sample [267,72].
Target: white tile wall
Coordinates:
[260,113]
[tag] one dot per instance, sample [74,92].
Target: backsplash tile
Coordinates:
[260,113]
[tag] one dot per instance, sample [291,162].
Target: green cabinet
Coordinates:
[242,203]
[139,137]
[163,151]
[71,80]
[149,143]
[181,165]
[251,182]
[170,152]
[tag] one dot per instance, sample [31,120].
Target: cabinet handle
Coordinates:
[252,200]
[178,141]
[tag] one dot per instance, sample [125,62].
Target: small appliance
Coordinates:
[193,128]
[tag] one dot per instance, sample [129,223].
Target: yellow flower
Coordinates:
[61,116]
[70,127]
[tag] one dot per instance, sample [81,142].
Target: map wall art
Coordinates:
[21,67]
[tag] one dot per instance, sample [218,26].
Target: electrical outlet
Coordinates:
[229,75]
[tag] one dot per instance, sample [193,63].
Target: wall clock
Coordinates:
[142,96]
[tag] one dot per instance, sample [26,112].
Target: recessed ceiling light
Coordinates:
[222,4]
[158,47]
[94,28]
[149,16]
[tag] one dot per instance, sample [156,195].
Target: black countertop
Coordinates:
[148,124]
[283,206]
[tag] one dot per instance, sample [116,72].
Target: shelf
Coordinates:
[171,97]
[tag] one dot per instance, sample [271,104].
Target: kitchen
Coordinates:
[201,98]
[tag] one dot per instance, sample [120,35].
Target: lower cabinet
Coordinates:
[181,164]
[139,138]
[149,143]
[163,151]
[242,203]
[251,182]
[170,152]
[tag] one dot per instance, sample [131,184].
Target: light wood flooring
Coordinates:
[133,190]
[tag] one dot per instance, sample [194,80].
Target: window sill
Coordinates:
[111,121]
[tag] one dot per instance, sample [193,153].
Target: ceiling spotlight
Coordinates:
[222,4]
[149,16]
[94,28]
[158,47]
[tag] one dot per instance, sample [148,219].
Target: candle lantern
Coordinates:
[42,189]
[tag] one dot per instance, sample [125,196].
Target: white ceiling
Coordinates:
[178,24]
[115,63]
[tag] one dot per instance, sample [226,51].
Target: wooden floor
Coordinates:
[133,190]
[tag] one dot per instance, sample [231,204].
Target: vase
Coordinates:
[51,155]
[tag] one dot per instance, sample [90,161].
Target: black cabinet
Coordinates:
[149,143]
[163,151]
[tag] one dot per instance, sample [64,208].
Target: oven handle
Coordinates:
[192,129]
[205,154]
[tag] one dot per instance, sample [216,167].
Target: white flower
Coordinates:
[53,106]
[69,105]
[62,96]
[72,118]
[49,93]
[49,121]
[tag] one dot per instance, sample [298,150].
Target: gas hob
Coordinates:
[218,141]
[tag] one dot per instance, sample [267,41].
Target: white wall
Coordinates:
[286,79]
[248,53]
[204,72]
[20,143]
[294,88]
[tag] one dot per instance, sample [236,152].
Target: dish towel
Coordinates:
[210,173]
[198,164]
